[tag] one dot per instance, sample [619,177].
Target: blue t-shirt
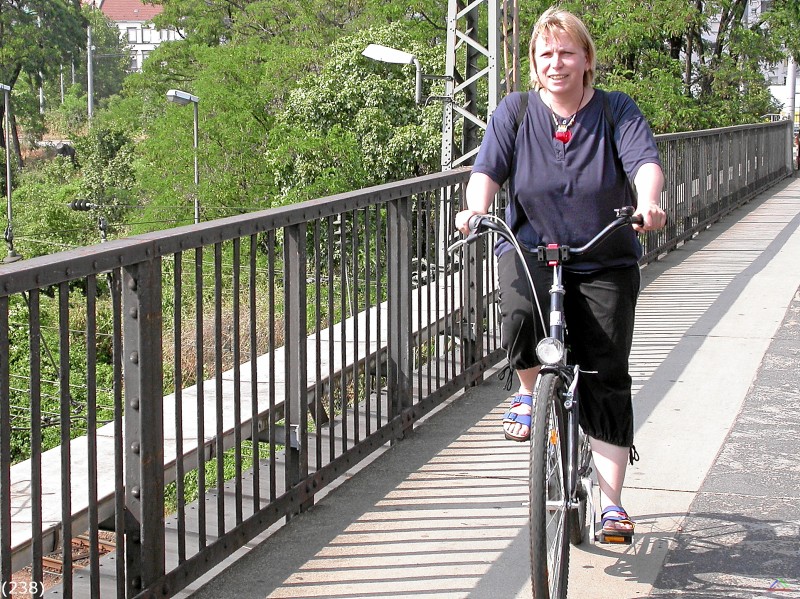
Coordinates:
[566,193]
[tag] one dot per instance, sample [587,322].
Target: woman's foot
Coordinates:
[517,421]
[615,521]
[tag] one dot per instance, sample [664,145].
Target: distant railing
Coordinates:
[200,384]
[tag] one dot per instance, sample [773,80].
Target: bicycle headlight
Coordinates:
[549,351]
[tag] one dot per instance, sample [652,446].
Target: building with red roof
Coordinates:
[133,19]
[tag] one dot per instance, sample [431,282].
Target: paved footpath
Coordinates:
[716,494]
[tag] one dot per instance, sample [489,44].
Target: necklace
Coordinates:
[563,134]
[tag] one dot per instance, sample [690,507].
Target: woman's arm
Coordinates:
[481,191]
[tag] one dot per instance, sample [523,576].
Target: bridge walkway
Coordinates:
[716,363]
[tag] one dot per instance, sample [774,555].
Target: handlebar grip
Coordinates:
[637,219]
[474,222]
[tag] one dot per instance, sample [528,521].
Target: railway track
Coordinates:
[81,550]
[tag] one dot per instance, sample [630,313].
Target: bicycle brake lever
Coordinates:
[455,245]
[474,224]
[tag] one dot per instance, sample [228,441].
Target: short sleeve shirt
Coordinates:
[565,193]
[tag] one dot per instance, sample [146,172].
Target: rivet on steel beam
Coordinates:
[135,404]
[132,284]
[135,447]
[134,313]
[136,492]
[135,357]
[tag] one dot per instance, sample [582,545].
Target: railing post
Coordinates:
[144,425]
[472,302]
[399,299]
[294,260]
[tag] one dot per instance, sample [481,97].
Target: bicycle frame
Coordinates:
[570,375]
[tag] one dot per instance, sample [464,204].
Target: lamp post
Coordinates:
[393,56]
[12,256]
[183,98]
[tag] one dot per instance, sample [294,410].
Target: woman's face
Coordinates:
[560,64]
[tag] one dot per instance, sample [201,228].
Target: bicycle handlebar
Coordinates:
[624,217]
[480,224]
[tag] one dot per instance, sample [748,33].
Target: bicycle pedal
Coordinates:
[613,538]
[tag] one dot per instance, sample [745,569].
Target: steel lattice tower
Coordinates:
[482,64]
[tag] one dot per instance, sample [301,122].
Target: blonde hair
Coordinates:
[553,22]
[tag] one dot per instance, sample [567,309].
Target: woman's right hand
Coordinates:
[462,220]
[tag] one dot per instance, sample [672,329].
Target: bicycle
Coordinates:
[560,456]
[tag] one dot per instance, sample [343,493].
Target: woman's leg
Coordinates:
[610,462]
[600,314]
[527,381]
[521,327]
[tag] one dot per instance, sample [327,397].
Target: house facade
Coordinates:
[132,17]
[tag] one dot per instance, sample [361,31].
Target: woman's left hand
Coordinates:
[653,216]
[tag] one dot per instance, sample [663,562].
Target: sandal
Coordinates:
[611,518]
[510,417]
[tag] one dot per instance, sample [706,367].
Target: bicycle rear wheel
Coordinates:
[549,501]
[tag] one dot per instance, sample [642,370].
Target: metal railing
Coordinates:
[196,386]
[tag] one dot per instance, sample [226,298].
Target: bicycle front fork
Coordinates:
[580,485]
[570,403]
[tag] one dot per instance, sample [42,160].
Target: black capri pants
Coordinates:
[599,309]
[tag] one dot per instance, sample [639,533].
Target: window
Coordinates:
[146,35]
[134,62]
[132,37]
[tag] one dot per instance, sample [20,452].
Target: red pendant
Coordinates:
[563,136]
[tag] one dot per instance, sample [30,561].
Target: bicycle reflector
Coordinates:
[550,351]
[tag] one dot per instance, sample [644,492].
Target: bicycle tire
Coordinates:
[577,517]
[548,523]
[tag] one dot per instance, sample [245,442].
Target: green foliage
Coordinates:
[43,221]
[101,175]
[36,38]
[374,102]
[69,118]
[641,50]
[105,156]
[50,404]
[111,58]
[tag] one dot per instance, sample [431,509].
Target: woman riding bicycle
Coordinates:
[568,163]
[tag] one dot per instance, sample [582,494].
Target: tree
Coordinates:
[111,60]
[684,73]
[373,102]
[111,57]
[36,37]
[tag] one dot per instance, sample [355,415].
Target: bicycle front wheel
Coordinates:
[549,500]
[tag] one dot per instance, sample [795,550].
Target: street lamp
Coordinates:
[12,256]
[183,98]
[393,56]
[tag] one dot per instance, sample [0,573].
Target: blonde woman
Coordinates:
[569,163]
